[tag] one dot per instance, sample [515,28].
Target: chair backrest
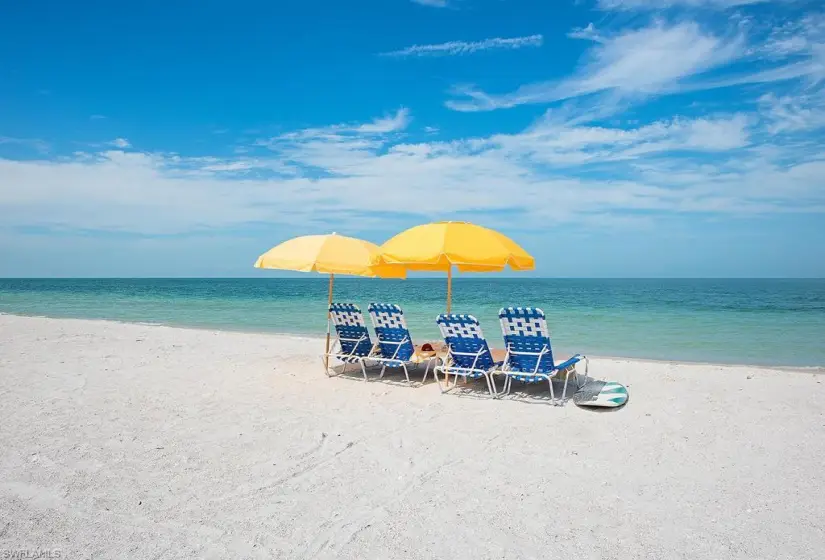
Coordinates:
[351,329]
[464,338]
[526,337]
[394,340]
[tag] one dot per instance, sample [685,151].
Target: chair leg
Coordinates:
[446,388]
[364,370]
[564,392]
[437,380]
[493,385]
[329,369]
[489,385]
[383,368]
[426,372]
[406,373]
[552,393]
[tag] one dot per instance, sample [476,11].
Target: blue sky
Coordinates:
[616,138]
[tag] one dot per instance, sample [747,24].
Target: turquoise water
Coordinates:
[765,322]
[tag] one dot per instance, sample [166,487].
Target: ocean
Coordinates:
[759,322]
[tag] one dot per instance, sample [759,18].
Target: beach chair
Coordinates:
[352,344]
[395,347]
[468,354]
[529,357]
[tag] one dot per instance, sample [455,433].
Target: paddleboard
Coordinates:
[607,394]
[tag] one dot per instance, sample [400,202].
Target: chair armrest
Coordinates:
[572,361]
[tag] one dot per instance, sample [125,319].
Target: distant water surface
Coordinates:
[764,322]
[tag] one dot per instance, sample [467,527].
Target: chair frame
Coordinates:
[347,357]
[554,369]
[394,361]
[564,367]
[472,372]
[448,324]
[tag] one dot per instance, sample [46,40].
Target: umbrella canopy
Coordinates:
[331,254]
[442,245]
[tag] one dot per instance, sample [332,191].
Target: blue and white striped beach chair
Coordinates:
[468,354]
[395,346]
[352,343]
[529,356]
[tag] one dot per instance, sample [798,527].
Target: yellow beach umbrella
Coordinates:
[329,254]
[443,245]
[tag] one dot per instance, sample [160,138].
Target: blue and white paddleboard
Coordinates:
[608,394]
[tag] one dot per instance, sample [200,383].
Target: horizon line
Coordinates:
[473,276]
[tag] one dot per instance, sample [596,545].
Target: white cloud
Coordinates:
[795,37]
[433,3]
[655,58]
[716,134]
[652,60]
[394,123]
[667,58]
[793,113]
[812,71]
[388,123]
[796,49]
[556,169]
[660,4]
[97,117]
[566,145]
[803,43]
[469,47]
[588,33]
[120,143]
[32,143]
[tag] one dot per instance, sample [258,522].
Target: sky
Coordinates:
[610,138]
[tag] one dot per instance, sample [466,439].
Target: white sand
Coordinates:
[129,441]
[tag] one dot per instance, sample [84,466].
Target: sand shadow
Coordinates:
[392,376]
[468,388]
[539,393]
[524,393]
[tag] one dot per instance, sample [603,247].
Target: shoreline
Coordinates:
[817,370]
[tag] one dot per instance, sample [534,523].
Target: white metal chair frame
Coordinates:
[380,316]
[347,358]
[447,369]
[510,374]
[392,361]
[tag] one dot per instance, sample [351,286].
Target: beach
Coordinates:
[137,441]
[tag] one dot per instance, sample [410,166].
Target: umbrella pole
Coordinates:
[329,302]
[449,304]
[449,287]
